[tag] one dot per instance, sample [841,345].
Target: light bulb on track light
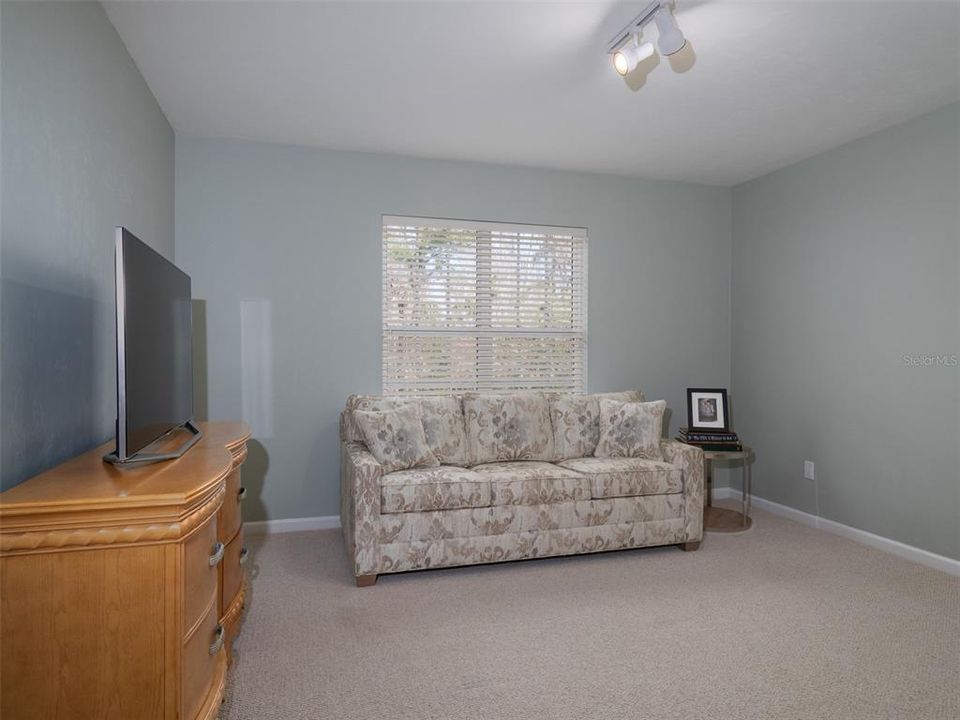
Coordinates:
[671,40]
[631,54]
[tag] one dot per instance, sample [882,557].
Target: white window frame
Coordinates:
[481,384]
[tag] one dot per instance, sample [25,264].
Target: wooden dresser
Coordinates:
[121,589]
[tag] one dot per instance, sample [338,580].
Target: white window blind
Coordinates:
[482,306]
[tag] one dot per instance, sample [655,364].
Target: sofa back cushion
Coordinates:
[508,427]
[576,421]
[442,418]
[445,428]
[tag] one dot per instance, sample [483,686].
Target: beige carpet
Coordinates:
[783,621]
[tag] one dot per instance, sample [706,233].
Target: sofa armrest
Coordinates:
[690,460]
[360,506]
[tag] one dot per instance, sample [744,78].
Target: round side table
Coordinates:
[718,519]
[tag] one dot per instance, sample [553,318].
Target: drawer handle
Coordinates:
[217,640]
[241,494]
[217,554]
[243,555]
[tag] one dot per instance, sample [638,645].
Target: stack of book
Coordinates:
[716,440]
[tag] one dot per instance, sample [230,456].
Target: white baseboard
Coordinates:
[908,552]
[263,527]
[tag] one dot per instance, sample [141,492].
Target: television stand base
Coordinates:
[149,457]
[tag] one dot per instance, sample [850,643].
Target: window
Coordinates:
[482,306]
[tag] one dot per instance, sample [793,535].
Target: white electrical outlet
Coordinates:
[808,470]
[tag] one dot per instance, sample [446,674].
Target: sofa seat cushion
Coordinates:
[527,482]
[626,477]
[438,488]
[514,519]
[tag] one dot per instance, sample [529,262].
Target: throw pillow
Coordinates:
[441,415]
[396,438]
[630,429]
[372,403]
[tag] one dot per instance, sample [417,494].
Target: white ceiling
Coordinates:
[529,83]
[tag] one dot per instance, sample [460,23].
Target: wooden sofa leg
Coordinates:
[686,547]
[366,580]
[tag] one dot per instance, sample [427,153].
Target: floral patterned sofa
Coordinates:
[517,479]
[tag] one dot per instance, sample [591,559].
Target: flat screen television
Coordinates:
[154,352]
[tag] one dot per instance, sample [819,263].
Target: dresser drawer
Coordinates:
[233,564]
[230,515]
[199,662]
[202,555]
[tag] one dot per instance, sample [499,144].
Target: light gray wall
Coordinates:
[845,267]
[296,232]
[85,147]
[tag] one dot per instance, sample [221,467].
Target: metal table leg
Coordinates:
[744,491]
[708,483]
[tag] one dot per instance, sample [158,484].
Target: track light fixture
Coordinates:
[671,40]
[627,49]
[631,54]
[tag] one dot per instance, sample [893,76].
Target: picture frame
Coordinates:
[707,410]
